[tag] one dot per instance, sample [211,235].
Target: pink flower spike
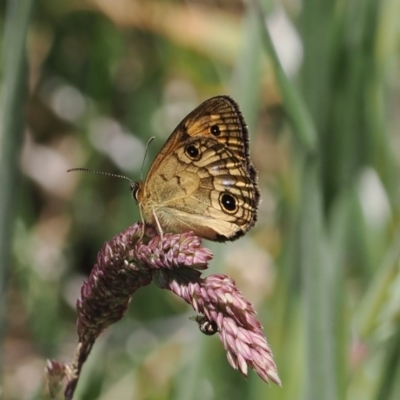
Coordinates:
[132,260]
[220,301]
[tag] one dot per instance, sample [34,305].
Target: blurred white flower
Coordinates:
[68,103]
[373,199]
[108,136]
[46,166]
[286,40]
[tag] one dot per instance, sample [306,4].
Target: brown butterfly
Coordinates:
[202,180]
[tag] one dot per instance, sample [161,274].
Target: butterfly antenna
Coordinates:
[145,154]
[102,173]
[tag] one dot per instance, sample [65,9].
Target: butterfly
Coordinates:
[203,180]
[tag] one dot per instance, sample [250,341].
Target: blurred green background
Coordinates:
[86,84]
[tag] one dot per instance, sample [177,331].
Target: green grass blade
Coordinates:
[14,90]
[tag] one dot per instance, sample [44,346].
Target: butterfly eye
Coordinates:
[215,130]
[228,203]
[134,190]
[193,152]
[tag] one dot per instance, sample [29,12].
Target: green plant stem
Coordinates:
[13,96]
[390,370]
[316,281]
[304,128]
[318,285]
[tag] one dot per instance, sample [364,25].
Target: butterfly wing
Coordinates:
[203,179]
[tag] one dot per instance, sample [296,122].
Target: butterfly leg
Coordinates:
[143,223]
[159,229]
